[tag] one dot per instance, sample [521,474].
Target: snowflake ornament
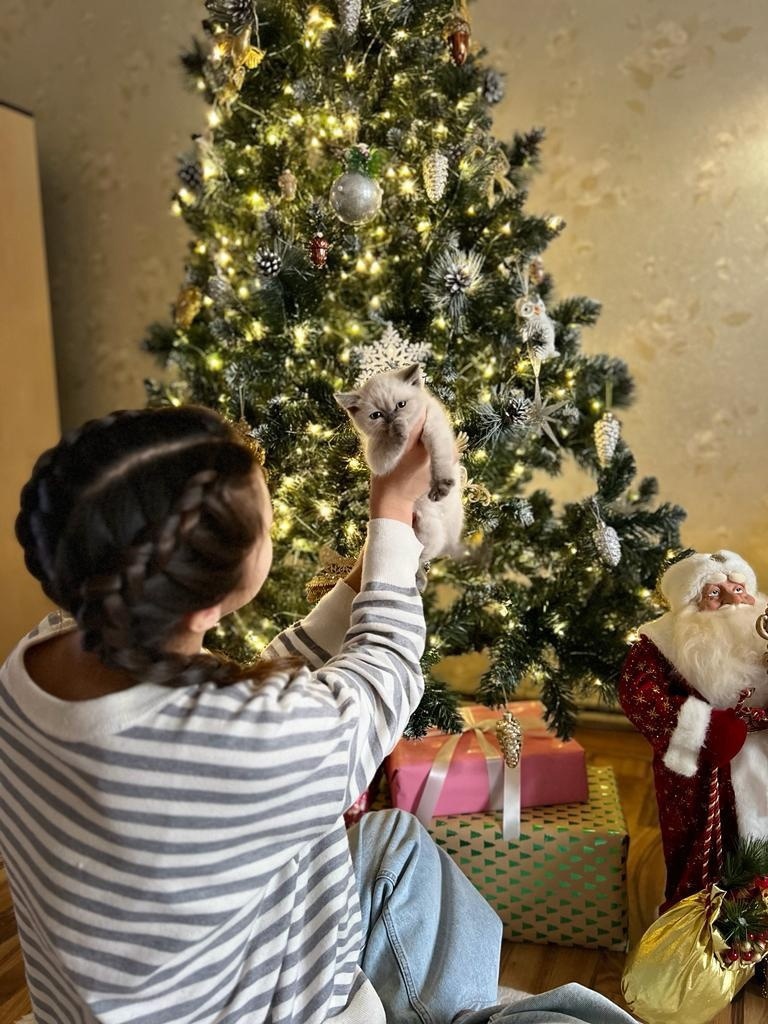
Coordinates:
[544,415]
[390,352]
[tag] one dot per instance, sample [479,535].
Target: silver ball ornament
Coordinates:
[355,197]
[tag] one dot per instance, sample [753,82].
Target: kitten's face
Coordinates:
[386,407]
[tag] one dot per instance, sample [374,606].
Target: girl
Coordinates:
[172,824]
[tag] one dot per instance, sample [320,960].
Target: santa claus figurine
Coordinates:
[695,685]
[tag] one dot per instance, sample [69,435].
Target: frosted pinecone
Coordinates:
[607,543]
[223,331]
[606,432]
[220,290]
[349,12]
[434,170]
[517,409]
[493,86]
[191,176]
[268,262]
[234,15]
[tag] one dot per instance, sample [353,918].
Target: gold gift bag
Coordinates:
[674,975]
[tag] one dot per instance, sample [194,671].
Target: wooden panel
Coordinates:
[29,414]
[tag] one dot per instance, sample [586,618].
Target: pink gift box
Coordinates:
[552,771]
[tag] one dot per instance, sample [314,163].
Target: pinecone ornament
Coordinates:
[492,88]
[349,15]
[191,176]
[607,431]
[607,543]
[434,170]
[234,15]
[268,263]
[510,736]
[188,304]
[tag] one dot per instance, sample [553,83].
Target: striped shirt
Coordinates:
[179,855]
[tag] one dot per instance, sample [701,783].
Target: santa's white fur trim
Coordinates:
[682,582]
[662,632]
[749,789]
[682,754]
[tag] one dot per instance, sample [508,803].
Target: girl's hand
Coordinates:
[393,495]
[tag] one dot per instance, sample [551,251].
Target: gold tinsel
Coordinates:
[239,50]
[243,429]
[188,304]
[333,567]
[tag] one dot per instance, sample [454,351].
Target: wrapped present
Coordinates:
[461,773]
[563,881]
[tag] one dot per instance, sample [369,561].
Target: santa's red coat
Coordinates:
[651,693]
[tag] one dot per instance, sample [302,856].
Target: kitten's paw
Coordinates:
[440,488]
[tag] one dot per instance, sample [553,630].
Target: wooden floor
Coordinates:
[528,967]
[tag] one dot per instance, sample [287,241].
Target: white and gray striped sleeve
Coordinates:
[320,634]
[376,677]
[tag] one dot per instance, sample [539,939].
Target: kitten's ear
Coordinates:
[348,400]
[411,375]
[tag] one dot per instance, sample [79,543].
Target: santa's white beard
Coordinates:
[719,653]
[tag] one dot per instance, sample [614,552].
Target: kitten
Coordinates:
[383,411]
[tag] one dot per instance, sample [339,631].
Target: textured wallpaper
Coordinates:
[656,156]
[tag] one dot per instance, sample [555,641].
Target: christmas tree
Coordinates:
[351,212]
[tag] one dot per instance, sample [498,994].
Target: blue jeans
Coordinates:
[432,943]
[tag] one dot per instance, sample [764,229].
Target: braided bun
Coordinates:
[136,520]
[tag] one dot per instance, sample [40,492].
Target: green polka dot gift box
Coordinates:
[564,880]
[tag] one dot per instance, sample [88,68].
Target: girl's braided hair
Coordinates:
[137,519]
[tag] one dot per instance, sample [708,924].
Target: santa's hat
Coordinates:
[682,582]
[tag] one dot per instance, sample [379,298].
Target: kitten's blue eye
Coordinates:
[375,415]
[401,405]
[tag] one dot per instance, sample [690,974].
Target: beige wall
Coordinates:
[657,156]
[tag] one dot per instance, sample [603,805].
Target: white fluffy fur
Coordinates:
[719,653]
[399,398]
[683,581]
[682,755]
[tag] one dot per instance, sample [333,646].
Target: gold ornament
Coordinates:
[229,92]
[762,625]
[333,567]
[188,304]
[478,494]
[239,50]
[499,171]
[288,184]
[462,442]
[509,733]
